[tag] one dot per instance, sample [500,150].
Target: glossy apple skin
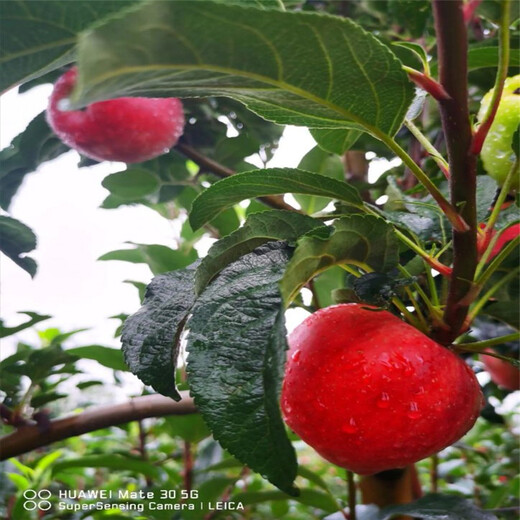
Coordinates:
[502,373]
[124,129]
[370,393]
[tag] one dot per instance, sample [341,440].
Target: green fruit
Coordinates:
[497,153]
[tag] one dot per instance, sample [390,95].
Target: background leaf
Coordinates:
[16,239]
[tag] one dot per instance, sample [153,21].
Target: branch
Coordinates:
[28,438]
[223,171]
[452,52]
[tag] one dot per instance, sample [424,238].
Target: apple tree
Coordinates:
[409,279]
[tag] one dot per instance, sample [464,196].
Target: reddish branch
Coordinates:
[28,438]
[452,55]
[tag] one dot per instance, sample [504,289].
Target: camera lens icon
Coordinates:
[37,500]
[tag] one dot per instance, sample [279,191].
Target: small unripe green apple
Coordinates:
[497,152]
[370,393]
[128,129]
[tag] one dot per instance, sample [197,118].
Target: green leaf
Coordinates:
[358,240]
[42,399]
[34,146]
[108,357]
[159,258]
[34,318]
[310,497]
[271,181]
[334,140]
[412,15]
[193,49]
[190,428]
[38,37]
[486,193]
[258,229]
[151,336]
[438,507]
[324,163]
[417,49]
[113,462]
[16,239]
[505,311]
[131,184]
[236,356]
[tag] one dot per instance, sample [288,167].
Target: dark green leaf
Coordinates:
[358,240]
[16,239]
[324,163]
[257,230]
[40,36]
[108,357]
[131,184]
[236,355]
[438,507]
[34,318]
[189,49]
[412,15]
[42,399]
[109,461]
[486,192]
[272,181]
[151,336]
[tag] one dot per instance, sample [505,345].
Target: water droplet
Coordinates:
[350,427]
[414,412]
[383,401]
[296,355]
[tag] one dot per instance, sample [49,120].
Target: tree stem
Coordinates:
[28,438]
[452,54]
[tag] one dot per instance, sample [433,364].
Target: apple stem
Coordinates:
[452,48]
[503,65]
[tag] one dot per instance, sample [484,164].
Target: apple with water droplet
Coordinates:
[127,129]
[369,392]
[497,151]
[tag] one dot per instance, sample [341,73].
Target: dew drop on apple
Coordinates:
[413,412]
[296,355]
[350,427]
[383,401]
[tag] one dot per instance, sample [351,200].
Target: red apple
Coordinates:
[502,373]
[370,392]
[123,129]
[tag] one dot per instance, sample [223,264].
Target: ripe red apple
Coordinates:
[370,392]
[123,129]
[502,373]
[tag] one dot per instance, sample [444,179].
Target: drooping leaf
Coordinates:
[236,355]
[38,37]
[34,146]
[505,311]
[189,49]
[34,318]
[358,240]
[271,181]
[17,239]
[108,357]
[151,336]
[258,229]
